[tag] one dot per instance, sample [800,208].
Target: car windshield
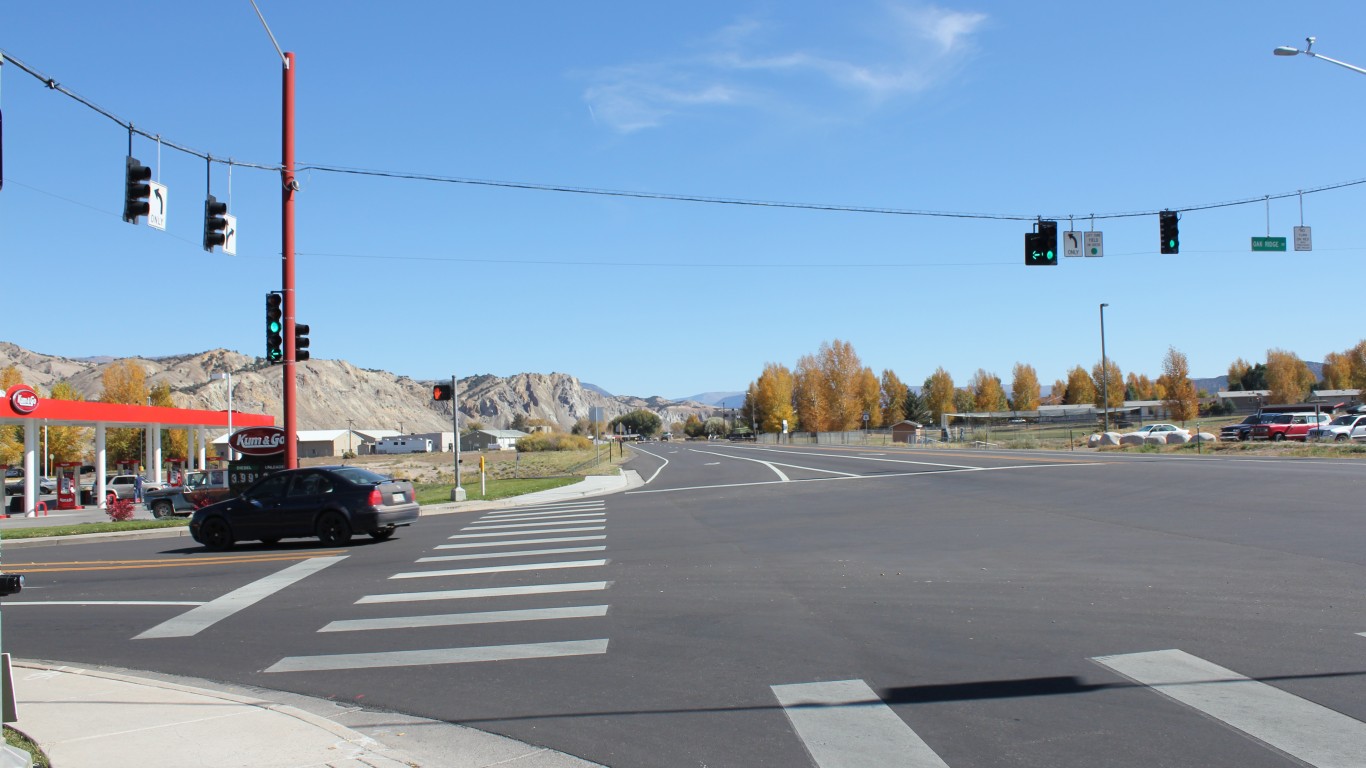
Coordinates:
[1342,421]
[361,476]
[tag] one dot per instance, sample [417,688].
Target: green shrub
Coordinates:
[552,441]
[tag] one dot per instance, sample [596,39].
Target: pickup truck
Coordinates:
[201,487]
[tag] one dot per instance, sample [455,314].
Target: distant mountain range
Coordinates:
[334,394]
[719,399]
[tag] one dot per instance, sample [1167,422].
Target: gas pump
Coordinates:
[68,485]
[175,472]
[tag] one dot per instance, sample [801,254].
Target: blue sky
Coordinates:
[1004,109]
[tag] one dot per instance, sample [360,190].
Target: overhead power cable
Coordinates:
[665,196]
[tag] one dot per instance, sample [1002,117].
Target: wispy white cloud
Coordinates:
[909,49]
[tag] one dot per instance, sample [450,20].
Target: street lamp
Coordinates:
[1104,371]
[1286,50]
[228,376]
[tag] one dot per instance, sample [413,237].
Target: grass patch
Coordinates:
[79,528]
[440,493]
[19,740]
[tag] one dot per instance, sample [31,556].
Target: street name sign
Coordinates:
[1268,243]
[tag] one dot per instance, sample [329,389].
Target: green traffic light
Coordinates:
[274,327]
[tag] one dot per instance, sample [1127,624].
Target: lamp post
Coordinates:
[228,377]
[1104,371]
[1286,50]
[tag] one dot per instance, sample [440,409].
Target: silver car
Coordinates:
[1346,427]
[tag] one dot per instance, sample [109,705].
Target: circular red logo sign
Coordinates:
[23,399]
[258,441]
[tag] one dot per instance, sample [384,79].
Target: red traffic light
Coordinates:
[442,392]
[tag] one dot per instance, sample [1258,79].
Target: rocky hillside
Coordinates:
[333,393]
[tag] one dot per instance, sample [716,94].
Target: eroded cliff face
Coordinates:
[333,394]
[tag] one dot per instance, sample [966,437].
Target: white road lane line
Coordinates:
[543,516]
[588,507]
[196,620]
[844,724]
[773,465]
[528,533]
[502,569]
[438,656]
[860,457]
[661,466]
[520,542]
[458,619]
[1300,728]
[886,476]
[505,526]
[188,603]
[470,594]
[519,553]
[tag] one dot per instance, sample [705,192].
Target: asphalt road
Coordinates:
[766,606]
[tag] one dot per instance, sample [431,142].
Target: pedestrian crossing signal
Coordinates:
[441,392]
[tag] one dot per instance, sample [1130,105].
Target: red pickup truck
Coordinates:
[1288,426]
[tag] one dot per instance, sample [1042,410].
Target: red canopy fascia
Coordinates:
[118,414]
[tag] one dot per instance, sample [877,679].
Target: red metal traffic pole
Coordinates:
[289,187]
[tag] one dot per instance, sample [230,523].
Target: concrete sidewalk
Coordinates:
[107,718]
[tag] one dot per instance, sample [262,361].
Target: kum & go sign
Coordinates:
[21,398]
[258,441]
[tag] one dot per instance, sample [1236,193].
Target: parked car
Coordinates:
[330,503]
[1346,427]
[122,486]
[1242,430]
[1288,426]
[1154,430]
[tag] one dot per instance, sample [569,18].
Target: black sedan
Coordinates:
[330,503]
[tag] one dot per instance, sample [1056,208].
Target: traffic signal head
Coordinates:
[275,328]
[300,342]
[136,190]
[1171,238]
[1041,247]
[214,224]
[441,392]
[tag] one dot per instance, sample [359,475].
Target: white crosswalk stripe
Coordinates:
[491,536]
[1309,732]
[844,724]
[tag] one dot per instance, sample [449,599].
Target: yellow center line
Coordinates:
[115,565]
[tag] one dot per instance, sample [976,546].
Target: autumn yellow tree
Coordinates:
[1081,390]
[11,436]
[893,400]
[1236,371]
[1288,378]
[869,391]
[987,393]
[1337,371]
[1113,388]
[826,389]
[1179,391]
[67,443]
[964,400]
[1057,394]
[938,394]
[1024,388]
[1138,387]
[124,382]
[772,394]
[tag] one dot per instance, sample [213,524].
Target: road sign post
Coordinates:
[1304,240]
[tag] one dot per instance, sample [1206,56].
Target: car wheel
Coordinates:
[333,530]
[215,534]
[383,533]
[1341,438]
[1276,438]
[271,541]
[162,510]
